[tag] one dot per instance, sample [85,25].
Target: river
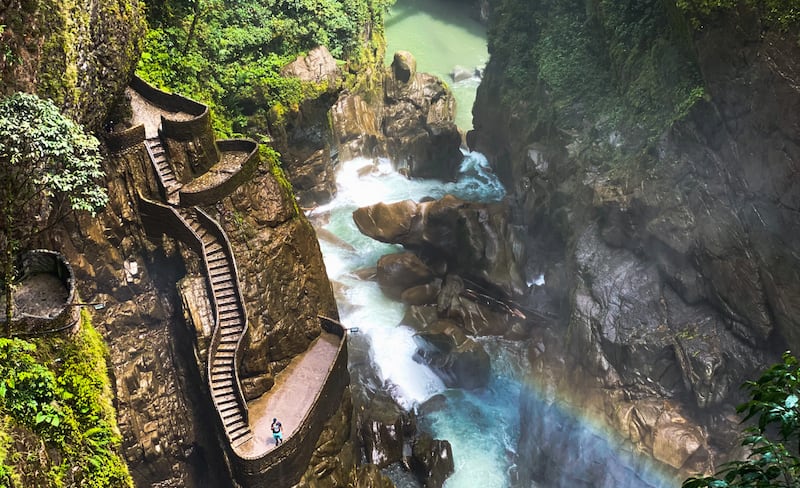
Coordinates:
[483,426]
[443,37]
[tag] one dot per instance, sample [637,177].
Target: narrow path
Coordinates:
[292,396]
[297,388]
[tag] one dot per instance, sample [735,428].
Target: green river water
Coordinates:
[441,34]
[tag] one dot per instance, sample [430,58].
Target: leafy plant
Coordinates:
[783,13]
[774,440]
[48,167]
[69,407]
[229,55]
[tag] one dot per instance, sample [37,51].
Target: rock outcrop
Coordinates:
[667,239]
[490,252]
[408,118]
[418,121]
[81,57]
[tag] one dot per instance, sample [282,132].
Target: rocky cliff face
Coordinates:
[78,53]
[659,196]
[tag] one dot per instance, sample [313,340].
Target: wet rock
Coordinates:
[422,294]
[399,272]
[383,430]
[418,121]
[432,461]
[489,250]
[356,128]
[461,73]
[386,222]
[458,360]
[637,331]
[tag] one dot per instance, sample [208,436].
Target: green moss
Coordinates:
[272,158]
[617,73]
[67,406]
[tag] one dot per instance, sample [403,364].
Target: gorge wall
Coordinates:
[654,167]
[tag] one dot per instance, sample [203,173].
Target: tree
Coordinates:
[774,441]
[48,167]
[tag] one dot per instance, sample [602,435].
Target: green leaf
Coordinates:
[791,401]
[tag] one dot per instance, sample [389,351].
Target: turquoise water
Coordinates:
[481,425]
[441,35]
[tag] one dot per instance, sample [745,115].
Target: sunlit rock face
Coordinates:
[407,117]
[667,242]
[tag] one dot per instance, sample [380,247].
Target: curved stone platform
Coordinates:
[44,301]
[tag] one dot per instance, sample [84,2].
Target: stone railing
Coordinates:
[196,127]
[118,142]
[161,219]
[192,195]
[40,261]
[215,230]
[285,464]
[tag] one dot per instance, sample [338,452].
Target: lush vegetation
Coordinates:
[628,67]
[773,441]
[783,13]
[55,393]
[48,166]
[229,54]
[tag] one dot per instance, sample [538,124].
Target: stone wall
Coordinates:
[190,196]
[45,261]
[284,465]
[190,141]
[125,139]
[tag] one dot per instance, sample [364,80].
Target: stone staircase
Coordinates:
[230,327]
[230,318]
[168,178]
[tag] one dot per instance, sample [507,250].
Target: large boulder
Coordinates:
[384,428]
[399,272]
[432,461]
[476,240]
[318,66]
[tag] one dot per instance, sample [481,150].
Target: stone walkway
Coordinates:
[292,396]
[148,114]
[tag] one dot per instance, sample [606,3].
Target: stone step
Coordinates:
[216,255]
[212,247]
[223,391]
[232,332]
[225,399]
[226,294]
[234,424]
[227,346]
[230,314]
[224,286]
[240,438]
[221,276]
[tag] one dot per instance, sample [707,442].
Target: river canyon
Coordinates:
[560,235]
